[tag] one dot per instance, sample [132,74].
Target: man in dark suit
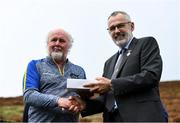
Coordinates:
[129,88]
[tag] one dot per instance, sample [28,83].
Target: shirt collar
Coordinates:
[50,60]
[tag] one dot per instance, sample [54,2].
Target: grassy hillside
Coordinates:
[11,109]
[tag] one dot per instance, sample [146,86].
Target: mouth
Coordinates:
[119,36]
[56,49]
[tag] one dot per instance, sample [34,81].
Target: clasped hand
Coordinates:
[73,104]
[100,85]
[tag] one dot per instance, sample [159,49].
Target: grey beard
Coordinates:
[57,55]
[123,42]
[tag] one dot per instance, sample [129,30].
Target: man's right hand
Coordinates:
[73,104]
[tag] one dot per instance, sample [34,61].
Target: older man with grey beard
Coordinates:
[44,83]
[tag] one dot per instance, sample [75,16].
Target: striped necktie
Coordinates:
[110,103]
[118,62]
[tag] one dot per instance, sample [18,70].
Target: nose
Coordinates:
[57,42]
[116,29]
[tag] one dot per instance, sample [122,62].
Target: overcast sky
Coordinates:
[24,25]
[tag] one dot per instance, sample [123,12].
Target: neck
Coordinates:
[59,63]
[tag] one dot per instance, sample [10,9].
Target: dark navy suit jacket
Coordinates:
[136,88]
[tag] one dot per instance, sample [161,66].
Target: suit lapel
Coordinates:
[127,53]
[113,63]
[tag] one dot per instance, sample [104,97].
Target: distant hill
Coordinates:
[11,100]
[169,91]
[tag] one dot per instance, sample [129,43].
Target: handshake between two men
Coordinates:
[76,103]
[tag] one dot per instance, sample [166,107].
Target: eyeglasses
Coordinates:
[119,26]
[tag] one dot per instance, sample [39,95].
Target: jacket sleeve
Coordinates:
[93,106]
[31,83]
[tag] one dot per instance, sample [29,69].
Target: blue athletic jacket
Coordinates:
[43,85]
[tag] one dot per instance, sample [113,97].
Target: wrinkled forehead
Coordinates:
[58,34]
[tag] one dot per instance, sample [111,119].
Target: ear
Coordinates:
[109,32]
[132,26]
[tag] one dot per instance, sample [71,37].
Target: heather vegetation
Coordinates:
[11,109]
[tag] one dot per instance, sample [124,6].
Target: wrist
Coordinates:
[60,104]
[110,85]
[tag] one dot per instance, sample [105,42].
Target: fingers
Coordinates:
[100,85]
[63,103]
[94,89]
[99,78]
[90,85]
[74,109]
[76,104]
[73,100]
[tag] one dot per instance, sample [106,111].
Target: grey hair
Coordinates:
[120,12]
[69,37]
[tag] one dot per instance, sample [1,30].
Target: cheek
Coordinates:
[65,46]
[49,44]
[49,47]
[49,50]
[112,35]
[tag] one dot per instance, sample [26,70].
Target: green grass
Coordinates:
[11,113]
[14,114]
[93,118]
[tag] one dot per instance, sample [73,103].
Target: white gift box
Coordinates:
[77,84]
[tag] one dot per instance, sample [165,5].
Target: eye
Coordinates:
[121,25]
[118,26]
[112,28]
[61,40]
[54,39]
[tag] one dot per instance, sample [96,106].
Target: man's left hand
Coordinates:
[101,85]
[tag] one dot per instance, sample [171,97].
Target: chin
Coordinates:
[57,55]
[120,43]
